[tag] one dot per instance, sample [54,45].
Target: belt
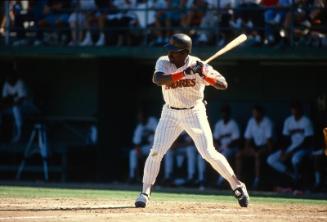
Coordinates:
[176,108]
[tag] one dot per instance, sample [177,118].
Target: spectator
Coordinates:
[15,103]
[183,147]
[55,20]
[274,15]
[146,16]
[78,19]
[250,16]
[227,137]
[169,15]
[298,138]
[258,142]
[142,142]
[96,19]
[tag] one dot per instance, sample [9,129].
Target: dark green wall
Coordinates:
[116,87]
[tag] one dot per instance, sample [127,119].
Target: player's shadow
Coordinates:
[70,208]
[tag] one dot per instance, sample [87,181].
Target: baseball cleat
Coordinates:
[142,200]
[241,194]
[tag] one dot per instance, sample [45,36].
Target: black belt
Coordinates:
[180,108]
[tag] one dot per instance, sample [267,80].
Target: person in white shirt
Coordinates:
[142,142]
[227,136]
[298,137]
[258,142]
[15,102]
[182,149]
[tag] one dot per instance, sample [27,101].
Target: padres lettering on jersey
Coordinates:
[188,91]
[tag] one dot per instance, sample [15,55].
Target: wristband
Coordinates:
[211,81]
[177,76]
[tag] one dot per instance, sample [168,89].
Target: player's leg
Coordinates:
[197,126]
[228,153]
[166,133]
[297,160]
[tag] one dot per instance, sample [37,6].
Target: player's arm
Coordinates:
[160,78]
[210,75]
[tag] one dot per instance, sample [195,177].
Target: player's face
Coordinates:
[296,113]
[257,115]
[177,58]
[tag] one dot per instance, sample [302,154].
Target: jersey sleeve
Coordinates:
[268,129]
[21,89]
[308,129]
[160,66]
[137,138]
[247,133]
[235,131]
[286,130]
[5,90]
[216,133]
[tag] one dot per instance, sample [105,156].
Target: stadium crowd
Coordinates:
[271,23]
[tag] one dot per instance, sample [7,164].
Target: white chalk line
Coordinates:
[128,214]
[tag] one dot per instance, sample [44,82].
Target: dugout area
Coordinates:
[111,88]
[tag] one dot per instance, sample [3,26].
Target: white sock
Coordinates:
[146,189]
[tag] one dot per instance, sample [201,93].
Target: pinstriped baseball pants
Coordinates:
[195,123]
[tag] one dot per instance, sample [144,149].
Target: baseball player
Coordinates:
[298,131]
[183,78]
[142,140]
[258,142]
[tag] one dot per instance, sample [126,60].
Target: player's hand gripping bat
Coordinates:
[236,42]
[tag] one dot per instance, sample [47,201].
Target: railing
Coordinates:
[130,26]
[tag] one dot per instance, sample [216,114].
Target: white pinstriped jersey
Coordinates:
[188,91]
[297,130]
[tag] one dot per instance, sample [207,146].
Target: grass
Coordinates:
[118,194]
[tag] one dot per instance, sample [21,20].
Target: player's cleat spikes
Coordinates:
[142,200]
[242,195]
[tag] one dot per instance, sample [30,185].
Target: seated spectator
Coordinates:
[142,143]
[183,148]
[251,20]
[274,15]
[258,143]
[54,22]
[78,19]
[297,18]
[146,17]
[318,20]
[15,103]
[168,16]
[227,137]
[298,143]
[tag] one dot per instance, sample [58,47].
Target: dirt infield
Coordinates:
[98,210]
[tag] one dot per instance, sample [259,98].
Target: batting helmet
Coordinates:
[179,42]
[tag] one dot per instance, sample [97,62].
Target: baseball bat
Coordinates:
[235,42]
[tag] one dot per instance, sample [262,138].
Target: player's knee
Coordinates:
[155,155]
[209,154]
